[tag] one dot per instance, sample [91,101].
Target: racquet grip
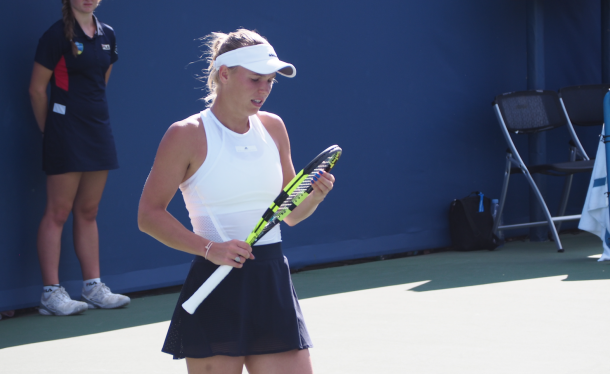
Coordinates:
[208,286]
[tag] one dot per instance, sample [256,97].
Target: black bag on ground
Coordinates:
[471,223]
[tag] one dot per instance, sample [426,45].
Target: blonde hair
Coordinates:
[218,43]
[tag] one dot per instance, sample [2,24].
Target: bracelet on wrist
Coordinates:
[207,249]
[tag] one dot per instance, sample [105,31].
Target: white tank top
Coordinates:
[239,179]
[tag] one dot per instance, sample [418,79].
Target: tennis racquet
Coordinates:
[291,196]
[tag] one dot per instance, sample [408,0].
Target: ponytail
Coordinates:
[218,43]
[69,22]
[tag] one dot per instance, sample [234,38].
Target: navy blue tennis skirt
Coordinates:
[75,143]
[253,311]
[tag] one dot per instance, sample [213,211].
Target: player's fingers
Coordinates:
[225,254]
[238,252]
[329,176]
[320,188]
[226,259]
[241,244]
[245,250]
[325,178]
[236,261]
[323,183]
[245,254]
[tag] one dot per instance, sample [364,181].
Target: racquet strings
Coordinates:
[303,187]
[307,182]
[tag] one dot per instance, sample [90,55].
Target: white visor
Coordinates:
[260,58]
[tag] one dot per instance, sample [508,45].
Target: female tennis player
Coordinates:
[75,56]
[230,162]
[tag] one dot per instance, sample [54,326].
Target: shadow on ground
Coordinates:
[514,261]
[31,327]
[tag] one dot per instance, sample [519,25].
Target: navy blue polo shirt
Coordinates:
[77,135]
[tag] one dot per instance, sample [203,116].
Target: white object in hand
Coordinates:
[208,286]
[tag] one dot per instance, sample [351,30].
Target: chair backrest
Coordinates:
[584,104]
[531,111]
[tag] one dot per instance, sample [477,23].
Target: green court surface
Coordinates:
[523,308]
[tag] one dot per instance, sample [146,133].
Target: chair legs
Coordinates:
[502,196]
[545,210]
[567,186]
[549,218]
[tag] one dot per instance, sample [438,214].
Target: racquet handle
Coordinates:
[208,286]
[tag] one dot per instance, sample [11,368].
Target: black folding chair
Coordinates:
[583,106]
[526,112]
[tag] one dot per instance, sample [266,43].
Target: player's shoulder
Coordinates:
[276,129]
[184,134]
[271,121]
[186,126]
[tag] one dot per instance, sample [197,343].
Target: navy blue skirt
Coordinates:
[75,143]
[253,311]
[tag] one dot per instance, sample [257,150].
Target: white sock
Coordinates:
[47,290]
[90,283]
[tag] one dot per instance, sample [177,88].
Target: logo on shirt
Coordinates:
[80,47]
[245,148]
[106,47]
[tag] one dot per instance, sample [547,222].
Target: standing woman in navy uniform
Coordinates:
[75,57]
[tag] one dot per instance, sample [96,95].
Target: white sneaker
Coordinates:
[101,297]
[58,303]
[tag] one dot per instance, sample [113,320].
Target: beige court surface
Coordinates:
[523,308]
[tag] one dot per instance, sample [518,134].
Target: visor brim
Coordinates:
[271,66]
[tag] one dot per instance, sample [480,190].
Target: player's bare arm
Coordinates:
[277,129]
[181,152]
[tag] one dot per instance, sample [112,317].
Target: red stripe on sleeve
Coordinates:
[61,74]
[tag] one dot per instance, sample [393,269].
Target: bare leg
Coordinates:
[61,190]
[86,237]
[215,364]
[291,362]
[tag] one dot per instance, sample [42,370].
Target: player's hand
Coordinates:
[322,186]
[226,253]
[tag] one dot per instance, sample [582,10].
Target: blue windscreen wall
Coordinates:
[405,88]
